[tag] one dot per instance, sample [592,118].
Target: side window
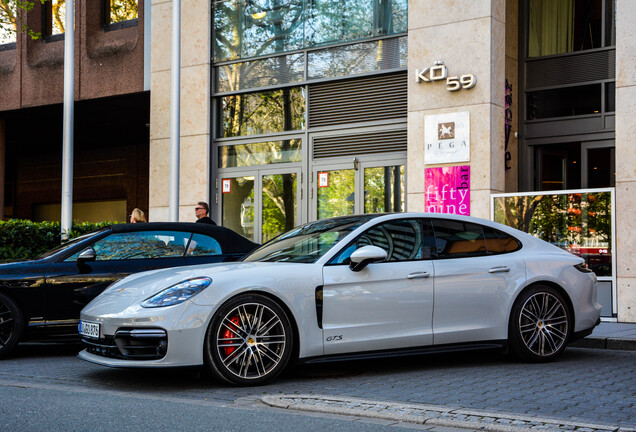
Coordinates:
[202,245]
[498,242]
[139,245]
[457,239]
[401,239]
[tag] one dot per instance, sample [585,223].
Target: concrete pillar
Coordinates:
[626,159]
[195,123]
[469,40]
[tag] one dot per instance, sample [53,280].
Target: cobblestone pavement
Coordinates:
[585,386]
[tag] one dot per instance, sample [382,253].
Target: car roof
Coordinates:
[232,241]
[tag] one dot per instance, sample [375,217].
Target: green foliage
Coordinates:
[13,12]
[23,239]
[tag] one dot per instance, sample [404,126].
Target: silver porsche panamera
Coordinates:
[370,285]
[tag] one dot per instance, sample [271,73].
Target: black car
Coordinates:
[41,299]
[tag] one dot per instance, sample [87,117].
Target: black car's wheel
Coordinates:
[540,326]
[249,341]
[10,325]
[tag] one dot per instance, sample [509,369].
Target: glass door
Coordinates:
[261,204]
[370,186]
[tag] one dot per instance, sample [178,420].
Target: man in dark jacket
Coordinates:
[201,211]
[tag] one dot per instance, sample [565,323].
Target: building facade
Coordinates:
[111,144]
[519,111]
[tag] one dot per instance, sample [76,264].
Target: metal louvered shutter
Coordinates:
[571,69]
[358,100]
[357,144]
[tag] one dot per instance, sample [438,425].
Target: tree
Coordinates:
[12,13]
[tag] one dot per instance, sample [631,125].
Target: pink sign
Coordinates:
[448,190]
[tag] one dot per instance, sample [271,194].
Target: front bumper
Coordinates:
[139,337]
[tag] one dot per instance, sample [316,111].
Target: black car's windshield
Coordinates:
[66,245]
[307,243]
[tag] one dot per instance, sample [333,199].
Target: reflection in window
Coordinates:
[249,28]
[401,239]
[116,11]
[384,189]
[237,202]
[279,204]
[564,102]
[202,245]
[359,58]
[55,17]
[262,113]
[267,72]
[580,223]
[558,27]
[8,26]
[457,239]
[336,193]
[271,152]
[139,245]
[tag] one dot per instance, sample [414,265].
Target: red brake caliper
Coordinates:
[229,334]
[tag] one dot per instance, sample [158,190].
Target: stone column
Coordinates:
[469,40]
[626,159]
[195,168]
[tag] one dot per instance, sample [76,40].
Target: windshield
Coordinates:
[66,245]
[307,243]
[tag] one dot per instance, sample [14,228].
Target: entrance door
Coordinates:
[261,204]
[371,186]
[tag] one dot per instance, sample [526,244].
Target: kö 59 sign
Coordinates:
[439,72]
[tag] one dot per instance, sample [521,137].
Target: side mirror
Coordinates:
[86,255]
[365,256]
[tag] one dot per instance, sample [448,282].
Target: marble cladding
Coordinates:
[626,299]
[625,143]
[195,126]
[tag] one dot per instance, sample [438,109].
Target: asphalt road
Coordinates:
[47,388]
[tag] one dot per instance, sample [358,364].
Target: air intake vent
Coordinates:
[358,100]
[571,69]
[367,143]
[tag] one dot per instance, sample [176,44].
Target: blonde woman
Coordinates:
[137,216]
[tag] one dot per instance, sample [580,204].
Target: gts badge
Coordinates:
[334,338]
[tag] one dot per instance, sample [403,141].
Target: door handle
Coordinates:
[499,269]
[419,275]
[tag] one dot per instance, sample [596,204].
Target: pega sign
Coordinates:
[448,190]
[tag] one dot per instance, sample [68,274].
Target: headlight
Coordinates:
[177,293]
[583,268]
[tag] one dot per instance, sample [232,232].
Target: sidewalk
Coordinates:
[608,335]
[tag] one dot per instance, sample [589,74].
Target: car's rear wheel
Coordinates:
[541,324]
[10,325]
[249,341]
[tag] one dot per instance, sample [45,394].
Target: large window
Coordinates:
[574,165]
[262,113]
[8,29]
[250,28]
[120,13]
[262,153]
[564,26]
[54,18]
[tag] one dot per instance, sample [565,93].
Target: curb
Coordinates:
[609,343]
[432,415]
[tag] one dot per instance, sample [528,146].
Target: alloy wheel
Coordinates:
[251,341]
[7,325]
[543,324]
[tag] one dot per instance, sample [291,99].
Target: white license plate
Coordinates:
[89,329]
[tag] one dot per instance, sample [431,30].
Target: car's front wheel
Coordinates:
[540,325]
[10,325]
[249,341]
